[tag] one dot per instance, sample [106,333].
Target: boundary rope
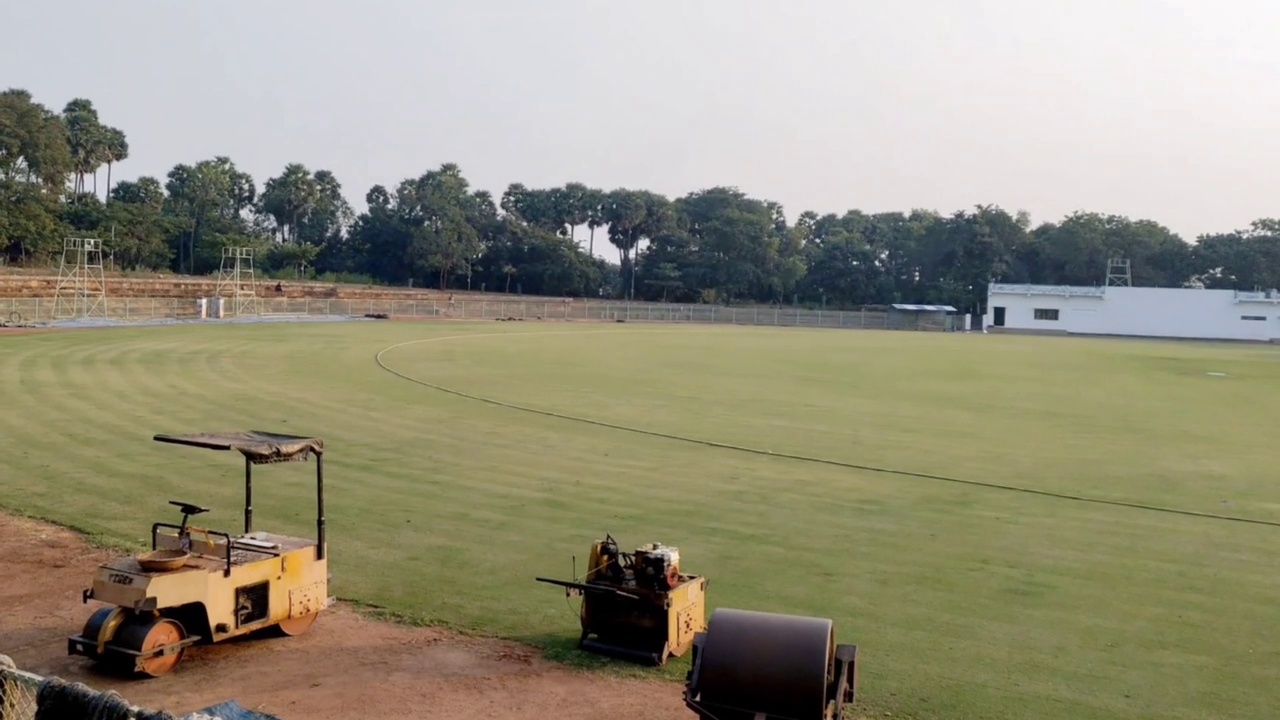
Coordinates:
[770,453]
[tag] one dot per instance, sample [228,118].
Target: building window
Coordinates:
[1253,317]
[1046,313]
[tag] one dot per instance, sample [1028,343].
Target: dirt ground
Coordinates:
[346,667]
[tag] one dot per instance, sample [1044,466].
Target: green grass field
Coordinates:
[966,602]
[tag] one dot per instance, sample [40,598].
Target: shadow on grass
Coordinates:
[563,649]
[559,648]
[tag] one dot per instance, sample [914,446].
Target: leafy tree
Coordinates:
[35,163]
[331,214]
[441,208]
[1076,251]
[1240,260]
[734,242]
[29,223]
[145,190]
[712,245]
[141,231]
[841,260]
[379,238]
[634,216]
[208,198]
[34,143]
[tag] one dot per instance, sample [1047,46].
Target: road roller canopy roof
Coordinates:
[258,447]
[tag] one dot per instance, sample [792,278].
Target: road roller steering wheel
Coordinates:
[184,535]
[188,510]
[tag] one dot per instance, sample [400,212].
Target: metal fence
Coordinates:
[17,692]
[18,310]
[20,699]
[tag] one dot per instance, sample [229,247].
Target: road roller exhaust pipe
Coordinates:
[765,666]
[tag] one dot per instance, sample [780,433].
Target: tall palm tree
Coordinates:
[571,206]
[115,148]
[86,138]
[289,198]
[593,204]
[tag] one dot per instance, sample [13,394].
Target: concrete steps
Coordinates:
[167,286]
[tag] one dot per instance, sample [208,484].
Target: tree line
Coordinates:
[715,245]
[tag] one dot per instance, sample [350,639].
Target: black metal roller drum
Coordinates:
[93,627]
[767,663]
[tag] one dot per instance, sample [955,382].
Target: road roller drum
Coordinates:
[766,666]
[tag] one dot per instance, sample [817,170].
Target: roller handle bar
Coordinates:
[587,588]
[846,685]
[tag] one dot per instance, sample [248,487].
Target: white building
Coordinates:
[1135,311]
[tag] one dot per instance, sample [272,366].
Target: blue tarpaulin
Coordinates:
[229,710]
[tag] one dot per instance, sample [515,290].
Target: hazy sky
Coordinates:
[1159,109]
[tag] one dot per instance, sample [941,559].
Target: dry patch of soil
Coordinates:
[347,666]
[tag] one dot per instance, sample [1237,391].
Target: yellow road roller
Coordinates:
[766,666]
[637,606]
[205,586]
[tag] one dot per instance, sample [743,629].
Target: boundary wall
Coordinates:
[42,310]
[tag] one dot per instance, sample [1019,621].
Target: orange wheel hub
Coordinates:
[162,633]
[149,634]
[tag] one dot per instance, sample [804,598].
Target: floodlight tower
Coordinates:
[236,281]
[1119,273]
[82,287]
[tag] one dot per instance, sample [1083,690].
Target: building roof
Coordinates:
[924,308]
[1059,290]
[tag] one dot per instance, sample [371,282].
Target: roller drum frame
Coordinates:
[767,666]
[131,642]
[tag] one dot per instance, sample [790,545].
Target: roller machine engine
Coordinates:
[637,606]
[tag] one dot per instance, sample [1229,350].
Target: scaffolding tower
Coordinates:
[237,283]
[1119,273]
[82,287]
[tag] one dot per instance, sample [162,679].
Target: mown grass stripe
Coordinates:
[965,602]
